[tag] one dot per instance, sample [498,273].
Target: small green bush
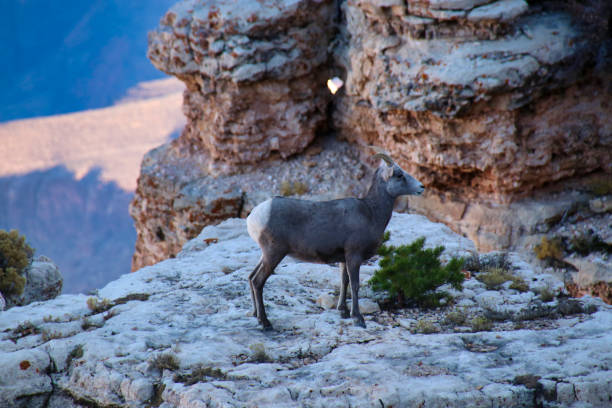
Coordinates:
[481,323]
[424,326]
[165,361]
[15,256]
[549,249]
[494,278]
[456,317]
[411,272]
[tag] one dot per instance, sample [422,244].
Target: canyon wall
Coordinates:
[497,106]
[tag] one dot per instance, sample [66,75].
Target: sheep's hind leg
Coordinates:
[257,268]
[353,266]
[344,280]
[259,280]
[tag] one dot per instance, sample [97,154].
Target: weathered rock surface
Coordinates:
[43,282]
[494,118]
[180,192]
[178,334]
[487,102]
[255,73]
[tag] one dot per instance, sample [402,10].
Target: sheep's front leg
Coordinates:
[353,266]
[344,280]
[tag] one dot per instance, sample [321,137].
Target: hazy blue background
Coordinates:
[69,55]
[59,57]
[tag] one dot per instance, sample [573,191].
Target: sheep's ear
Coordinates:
[386,171]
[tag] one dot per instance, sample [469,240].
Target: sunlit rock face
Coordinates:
[255,73]
[482,100]
[487,102]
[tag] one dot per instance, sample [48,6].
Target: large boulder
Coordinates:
[255,73]
[43,282]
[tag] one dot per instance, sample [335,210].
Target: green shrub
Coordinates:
[411,272]
[15,257]
[165,361]
[549,249]
[456,317]
[481,323]
[494,278]
[425,327]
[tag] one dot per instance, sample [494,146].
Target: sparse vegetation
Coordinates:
[481,323]
[132,296]
[258,353]
[289,188]
[24,329]
[494,278]
[456,317]
[424,326]
[87,324]
[47,335]
[165,361]
[411,272]
[200,373]
[99,306]
[585,244]
[549,249]
[15,256]
[546,295]
[600,186]
[76,353]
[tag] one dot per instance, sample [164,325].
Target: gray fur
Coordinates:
[348,231]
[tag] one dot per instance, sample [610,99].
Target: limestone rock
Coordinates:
[489,105]
[43,282]
[327,301]
[491,119]
[191,343]
[255,74]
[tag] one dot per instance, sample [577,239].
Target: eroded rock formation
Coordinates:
[504,103]
[489,103]
[254,73]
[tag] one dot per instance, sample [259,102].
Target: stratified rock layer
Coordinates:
[255,73]
[488,118]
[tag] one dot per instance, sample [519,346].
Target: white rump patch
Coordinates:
[258,219]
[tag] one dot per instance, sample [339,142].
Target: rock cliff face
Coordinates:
[178,334]
[254,73]
[489,103]
[504,103]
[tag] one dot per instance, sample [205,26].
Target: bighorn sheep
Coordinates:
[347,230]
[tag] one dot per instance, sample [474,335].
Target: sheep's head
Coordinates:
[398,182]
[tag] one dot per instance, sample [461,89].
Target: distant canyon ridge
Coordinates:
[501,107]
[66,181]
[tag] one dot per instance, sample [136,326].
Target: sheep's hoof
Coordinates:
[266,326]
[358,320]
[344,313]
